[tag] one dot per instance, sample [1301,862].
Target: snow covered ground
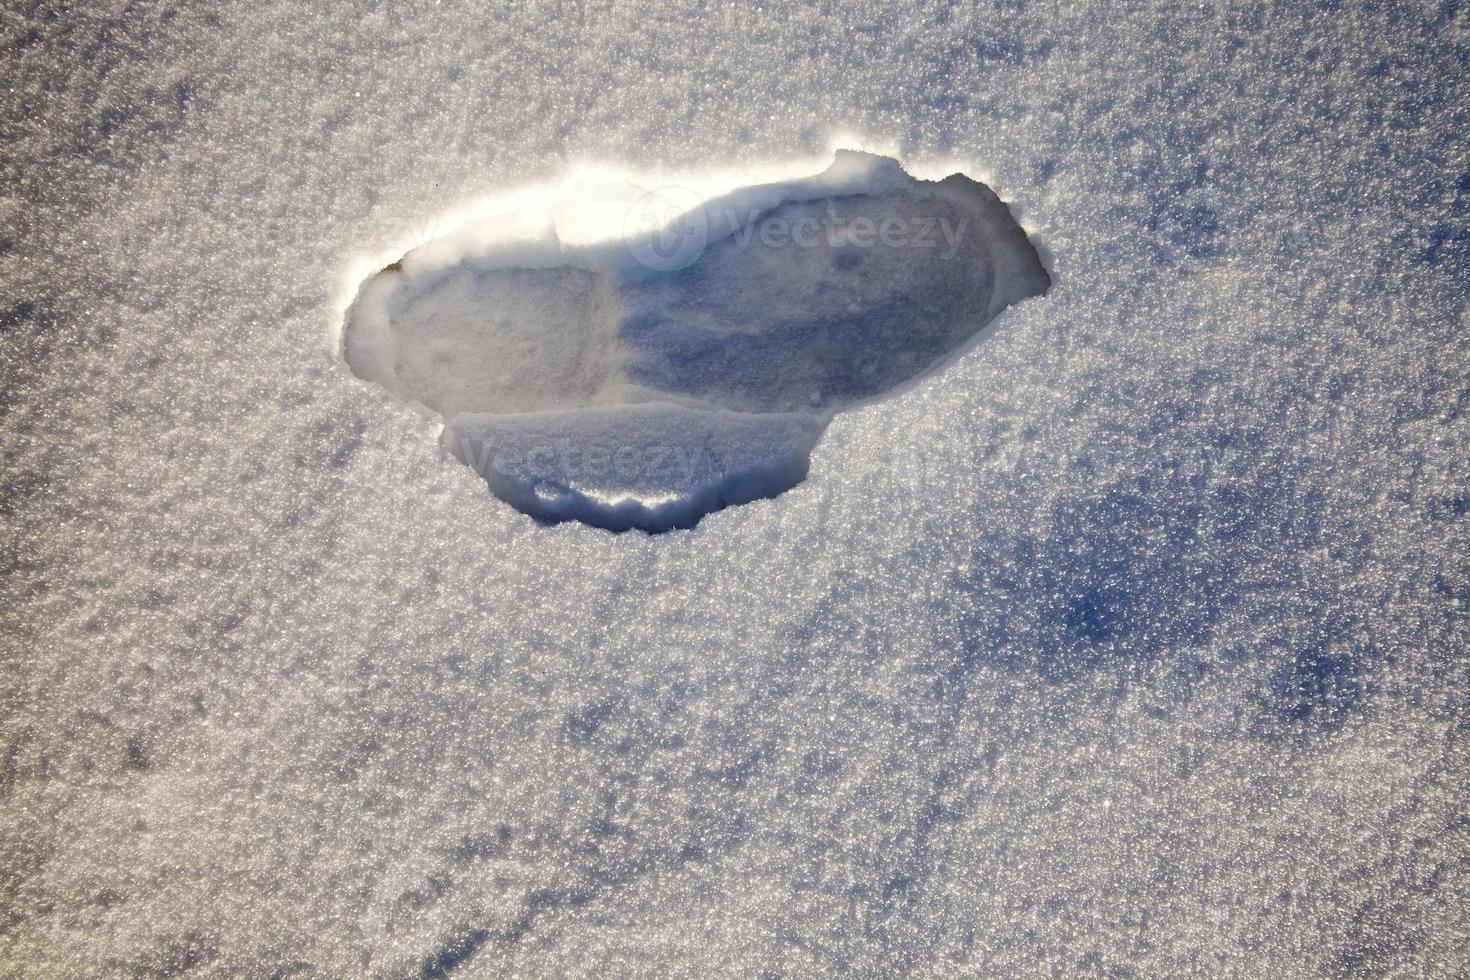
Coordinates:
[1133,643]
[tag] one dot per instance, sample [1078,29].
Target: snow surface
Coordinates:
[1133,643]
[792,299]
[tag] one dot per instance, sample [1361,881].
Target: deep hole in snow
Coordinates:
[692,360]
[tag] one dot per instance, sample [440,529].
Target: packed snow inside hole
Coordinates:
[635,358]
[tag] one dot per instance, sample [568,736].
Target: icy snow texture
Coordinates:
[1134,642]
[794,299]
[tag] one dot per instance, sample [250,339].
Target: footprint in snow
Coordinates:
[691,360]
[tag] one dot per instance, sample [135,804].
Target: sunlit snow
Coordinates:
[1127,639]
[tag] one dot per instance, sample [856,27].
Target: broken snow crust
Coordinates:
[798,298]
